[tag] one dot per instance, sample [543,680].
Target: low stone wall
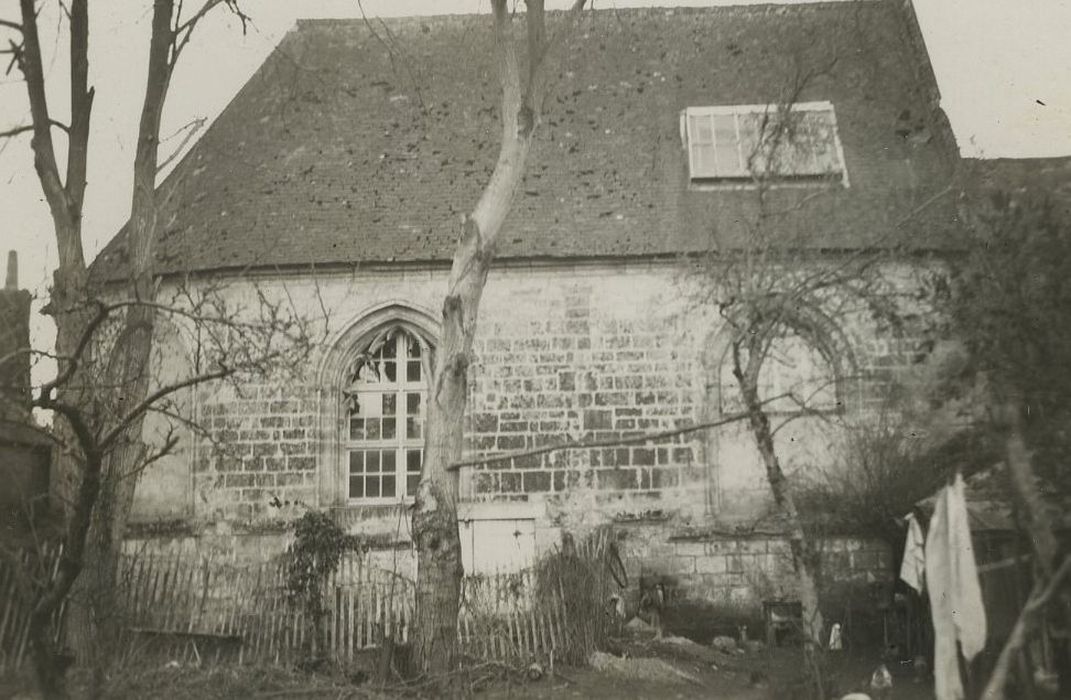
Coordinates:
[715,583]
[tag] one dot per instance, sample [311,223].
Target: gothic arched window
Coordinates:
[383,404]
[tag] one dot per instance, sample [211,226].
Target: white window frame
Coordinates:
[402,442]
[739,179]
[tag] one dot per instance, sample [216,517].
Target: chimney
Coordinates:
[14,342]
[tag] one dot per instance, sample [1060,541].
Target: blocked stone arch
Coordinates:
[342,352]
[812,326]
[165,488]
[815,328]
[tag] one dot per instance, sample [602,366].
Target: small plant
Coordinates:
[315,554]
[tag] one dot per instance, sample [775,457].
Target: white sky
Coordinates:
[996,62]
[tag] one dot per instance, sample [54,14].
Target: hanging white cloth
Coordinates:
[913,565]
[955,594]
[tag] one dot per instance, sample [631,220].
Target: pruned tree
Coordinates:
[227,344]
[90,466]
[435,517]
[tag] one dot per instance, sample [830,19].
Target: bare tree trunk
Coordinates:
[1035,515]
[49,665]
[435,531]
[128,369]
[70,295]
[1032,507]
[804,556]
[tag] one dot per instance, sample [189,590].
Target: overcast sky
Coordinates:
[1003,67]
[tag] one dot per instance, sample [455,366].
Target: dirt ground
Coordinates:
[766,675]
[668,669]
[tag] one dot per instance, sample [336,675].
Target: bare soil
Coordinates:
[668,669]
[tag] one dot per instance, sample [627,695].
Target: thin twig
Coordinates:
[608,442]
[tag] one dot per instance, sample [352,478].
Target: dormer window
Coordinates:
[752,144]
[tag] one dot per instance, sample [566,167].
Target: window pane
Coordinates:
[413,460]
[371,429]
[388,461]
[703,163]
[726,146]
[357,429]
[390,348]
[411,483]
[370,403]
[390,371]
[825,146]
[413,371]
[368,373]
[356,487]
[388,486]
[414,422]
[751,158]
[371,461]
[389,428]
[414,348]
[371,487]
[390,404]
[701,131]
[356,462]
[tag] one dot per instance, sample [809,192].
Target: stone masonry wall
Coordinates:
[583,371]
[592,353]
[262,456]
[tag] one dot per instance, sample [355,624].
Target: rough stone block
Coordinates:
[711,564]
[536,481]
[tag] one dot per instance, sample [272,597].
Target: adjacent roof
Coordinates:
[1048,177]
[359,142]
[989,498]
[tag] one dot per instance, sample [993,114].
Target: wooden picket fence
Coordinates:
[17,577]
[205,610]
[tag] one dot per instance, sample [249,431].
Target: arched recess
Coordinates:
[164,488]
[810,343]
[363,340]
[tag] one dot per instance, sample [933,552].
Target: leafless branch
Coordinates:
[1043,592]
[392,47]
[609,442]
[191,130]
[133,414]
[171,441]
[183,30]
[73,362]
[8,24]
[15,131]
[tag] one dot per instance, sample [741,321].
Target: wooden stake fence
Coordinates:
[202,610]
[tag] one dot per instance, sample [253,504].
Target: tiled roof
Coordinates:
[1043,177]
[351,146]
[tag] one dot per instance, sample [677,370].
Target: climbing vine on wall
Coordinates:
[315,554]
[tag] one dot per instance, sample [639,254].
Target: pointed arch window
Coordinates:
[383,405]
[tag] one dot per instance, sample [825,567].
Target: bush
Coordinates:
[880,476]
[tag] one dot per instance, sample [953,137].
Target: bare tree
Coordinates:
[76,307]
[780,299]
[231,346]
[435,518]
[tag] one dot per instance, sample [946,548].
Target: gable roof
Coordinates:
[365,142]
